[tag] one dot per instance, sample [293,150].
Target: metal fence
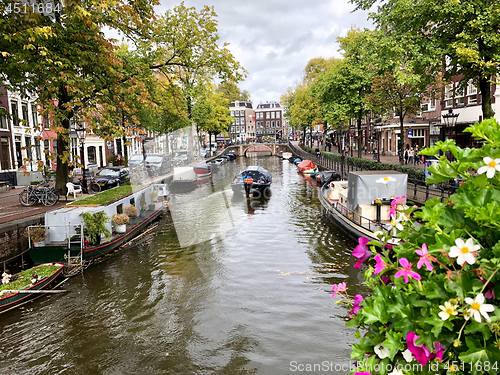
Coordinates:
[418,190]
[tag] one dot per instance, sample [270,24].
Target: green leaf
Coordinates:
[393,343]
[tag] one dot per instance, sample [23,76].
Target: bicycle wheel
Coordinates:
[49,199]
[26,198]
[57,194]
[94,188]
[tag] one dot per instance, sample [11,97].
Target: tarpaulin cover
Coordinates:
[304,165]
[366,186]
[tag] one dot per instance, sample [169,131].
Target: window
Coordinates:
[37,150]
[232,113]
[237,120]
[34,115]
[448,96]
[24,110]
[29,154]
[272,123]
[277,124]
[267,123]
[267,115]
[5,153]
[3,120]
[242,113]
[471,93]
[46,122]
[14,112]
[91,155]
[273,114]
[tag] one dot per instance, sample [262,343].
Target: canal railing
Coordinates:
[418,190]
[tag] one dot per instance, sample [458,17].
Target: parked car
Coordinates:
[109,177]
[158,164]
[135,160]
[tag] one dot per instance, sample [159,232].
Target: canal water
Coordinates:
[226,286]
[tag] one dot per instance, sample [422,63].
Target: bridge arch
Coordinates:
[258,148]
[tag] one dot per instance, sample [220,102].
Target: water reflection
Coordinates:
[248,295]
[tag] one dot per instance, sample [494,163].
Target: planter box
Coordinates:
[121,228]
[132,220]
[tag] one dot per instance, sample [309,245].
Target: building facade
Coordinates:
[243,126]
[269,120]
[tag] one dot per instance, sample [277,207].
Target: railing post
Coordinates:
[415,190]
[427,192]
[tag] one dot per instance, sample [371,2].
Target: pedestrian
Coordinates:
[317,151]
[417,158]
[410,155]
[406,156]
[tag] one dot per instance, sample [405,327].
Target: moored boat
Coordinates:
[184,179]
[202,170]
[27,284]
[287,155]
[327,176]
[307,167]
[361,206]
[64,242]
[251,179]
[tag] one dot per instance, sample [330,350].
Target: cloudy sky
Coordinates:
[274,39]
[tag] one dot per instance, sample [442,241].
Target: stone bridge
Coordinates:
[274,148]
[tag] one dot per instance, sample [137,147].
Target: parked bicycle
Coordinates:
[38,194]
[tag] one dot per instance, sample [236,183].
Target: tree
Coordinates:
[231,92]
[454,37]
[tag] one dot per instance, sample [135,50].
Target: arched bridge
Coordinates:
[241,150]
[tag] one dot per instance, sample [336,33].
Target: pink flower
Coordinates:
[425,258]
[398,200]
[358,298]
[392,212]
[341,287]
[489,291]
[385,279]
[362,373]
[421,352]
[361,251]
[406,271]
[379,267]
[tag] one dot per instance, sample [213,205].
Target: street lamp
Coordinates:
[449,119]
[81,134]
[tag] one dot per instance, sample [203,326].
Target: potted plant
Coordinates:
[37,235]
[142,204]
[121,221]
[132,213]
[153,195]
[95,226]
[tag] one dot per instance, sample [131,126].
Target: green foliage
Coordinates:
[439,304]
[104,197]
[22,280]
[95,225]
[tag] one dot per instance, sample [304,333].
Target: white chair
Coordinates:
[73,189]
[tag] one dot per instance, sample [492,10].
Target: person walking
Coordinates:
[416,160]
[406,156]
[411,153]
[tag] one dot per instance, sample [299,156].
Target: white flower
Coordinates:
[385,180]
[407,355]
[478,307]
[395,225]
[490,168]
[381,351]
[397,372]
[447,310]
[464,251]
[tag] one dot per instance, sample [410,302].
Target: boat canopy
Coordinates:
[304,165]
[255,172]
[363,187]
[184,173]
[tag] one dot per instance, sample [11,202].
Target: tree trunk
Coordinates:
[402,137]
[359,136]
[125,151]
[484,86]
[62,171]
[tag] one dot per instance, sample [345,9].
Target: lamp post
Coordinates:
[143,138]
[81,134]
[449,119]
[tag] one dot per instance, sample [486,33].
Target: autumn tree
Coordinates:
[454,37]
[231,92]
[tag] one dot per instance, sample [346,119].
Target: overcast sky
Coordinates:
[274,39]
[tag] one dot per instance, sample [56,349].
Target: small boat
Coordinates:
[255,178]
[202,170]
[307,167]
[287,155]
[297,161]
[280,154]
[327,176]
[221,160]
[231,154]
[27,284]
[215,164]
[361,205]
[184,179]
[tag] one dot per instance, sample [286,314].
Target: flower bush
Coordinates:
[433,306]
